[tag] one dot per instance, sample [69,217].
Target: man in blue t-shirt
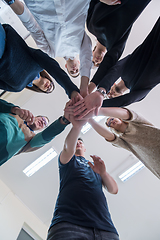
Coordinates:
[81,210]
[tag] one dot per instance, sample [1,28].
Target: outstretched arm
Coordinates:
[116,112]
[32,26]
[103,131]
[71,140]
[99,167]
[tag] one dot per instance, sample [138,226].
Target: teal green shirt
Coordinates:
[12,139]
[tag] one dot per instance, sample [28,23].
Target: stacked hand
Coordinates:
[87,107]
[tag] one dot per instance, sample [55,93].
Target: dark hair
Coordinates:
[37,89]
[80,139]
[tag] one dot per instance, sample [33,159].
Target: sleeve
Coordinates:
[137,118]
[86,56]
[36,32]
[53,68]
[44,137]
[126,99]
[113,74]
[110,59]
[6,107]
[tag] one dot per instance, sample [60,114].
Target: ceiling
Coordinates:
[135,209]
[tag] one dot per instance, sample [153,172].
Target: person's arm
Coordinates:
[32,26]
[103,131]
[44,137]
[24,114]
[90,103]
[85,63]
[126,99]
[53,68]
[110,59]
[6,107]
[85,56]
[71,141]
[99,167]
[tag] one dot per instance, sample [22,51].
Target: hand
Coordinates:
[98,166]
[90,103]
[67,114]
[24,114]
[77,123]
[75,97]
[111,2]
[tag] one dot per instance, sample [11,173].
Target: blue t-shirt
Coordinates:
[81,200]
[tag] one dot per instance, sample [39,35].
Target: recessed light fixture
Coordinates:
[131,171]
[40,162]
[88,126]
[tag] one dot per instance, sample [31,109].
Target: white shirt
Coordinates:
[63,25]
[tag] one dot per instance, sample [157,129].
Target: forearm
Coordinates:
[40,139]
[103,131]
[70,143]
[53,68]
[85,56]
[109,183]
[115,112]
[6,107]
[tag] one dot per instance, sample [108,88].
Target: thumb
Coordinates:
[91,164]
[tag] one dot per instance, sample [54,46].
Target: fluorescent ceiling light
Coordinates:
[131,171]
[40,162]
[88,126]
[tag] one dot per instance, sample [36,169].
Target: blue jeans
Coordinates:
[2,40]
[69,231]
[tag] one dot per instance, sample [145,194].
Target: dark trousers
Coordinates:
[69,231]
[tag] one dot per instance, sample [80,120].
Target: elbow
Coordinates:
[114,190]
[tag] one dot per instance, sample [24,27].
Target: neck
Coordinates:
[79,154]
[122,127]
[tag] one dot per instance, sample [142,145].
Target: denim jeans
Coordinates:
[69,231]
[2,40]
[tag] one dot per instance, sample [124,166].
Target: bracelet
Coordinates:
[65,120]
[102,92]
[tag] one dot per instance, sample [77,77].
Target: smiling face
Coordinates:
[73,67]
[80,148]
[98,56]
[39,123]
[114,91]
[115,123]
[45,85]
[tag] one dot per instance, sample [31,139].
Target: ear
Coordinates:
[66,65]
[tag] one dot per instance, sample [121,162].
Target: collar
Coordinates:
[28,126]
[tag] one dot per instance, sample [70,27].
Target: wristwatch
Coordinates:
[102,92]
[65,120]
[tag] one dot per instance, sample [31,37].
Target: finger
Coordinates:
[80,116]
[79,102]
[91,164]
[79,111]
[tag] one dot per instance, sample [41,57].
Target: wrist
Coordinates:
[102,91]
[64,120]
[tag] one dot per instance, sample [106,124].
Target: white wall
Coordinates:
[13,214]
